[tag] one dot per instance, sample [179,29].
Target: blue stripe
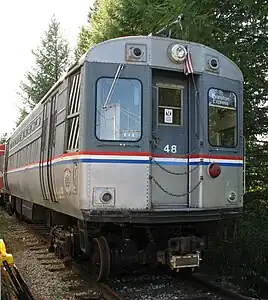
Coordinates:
[112,161]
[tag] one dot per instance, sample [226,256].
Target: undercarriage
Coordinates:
[122,248]
[114,247]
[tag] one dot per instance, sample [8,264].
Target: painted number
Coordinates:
[170,148]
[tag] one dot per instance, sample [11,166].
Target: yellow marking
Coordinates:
[4,256]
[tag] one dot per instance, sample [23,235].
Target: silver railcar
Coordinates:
[139,147]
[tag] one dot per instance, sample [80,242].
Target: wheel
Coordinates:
[100,259]
[9,208]
[187,271]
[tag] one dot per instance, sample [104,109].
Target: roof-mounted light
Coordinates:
[177,53]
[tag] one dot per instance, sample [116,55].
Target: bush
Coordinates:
[247,258]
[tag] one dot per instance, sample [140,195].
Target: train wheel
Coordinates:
[9,208]
[187,271]
[100,260]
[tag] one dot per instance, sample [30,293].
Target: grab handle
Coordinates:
[154,109]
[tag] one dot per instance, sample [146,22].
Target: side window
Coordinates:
[222,118]
[118,115]
[72,142]
[170,101]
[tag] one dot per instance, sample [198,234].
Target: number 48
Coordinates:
[170,148]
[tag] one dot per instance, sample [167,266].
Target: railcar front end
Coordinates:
[165,156]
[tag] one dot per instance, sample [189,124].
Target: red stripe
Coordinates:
[86,152]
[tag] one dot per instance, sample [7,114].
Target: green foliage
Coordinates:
[51,58]
[3,138]
[3,225]
[84,38]
[83,42]
[115,18]
[23,114]
[246,259]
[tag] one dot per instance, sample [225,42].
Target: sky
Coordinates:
[22,25]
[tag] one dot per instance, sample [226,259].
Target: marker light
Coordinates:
[214,170]
[177,53]
[232,196]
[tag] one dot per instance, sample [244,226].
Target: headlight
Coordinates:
[106,197]
[177,53]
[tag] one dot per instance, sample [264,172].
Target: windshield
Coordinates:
[222,118]
[119,119]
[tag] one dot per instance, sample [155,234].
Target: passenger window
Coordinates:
[118,116]
[73,122]
[170,105]
[222,118]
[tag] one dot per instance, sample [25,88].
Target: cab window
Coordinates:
[170,98]
[118,116]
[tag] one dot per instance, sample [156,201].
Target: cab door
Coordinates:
[169,147]
[51,148]
[43,164]
[47,151]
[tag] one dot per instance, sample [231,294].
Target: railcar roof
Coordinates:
[113,51]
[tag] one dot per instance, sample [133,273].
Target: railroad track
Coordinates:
[167,287]
[204,283]
[137,286]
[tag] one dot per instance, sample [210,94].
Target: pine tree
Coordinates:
[114,18]
[51,58]
[3,138]
[23,114]
[84,37]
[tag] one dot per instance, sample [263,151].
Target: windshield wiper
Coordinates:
[116,77]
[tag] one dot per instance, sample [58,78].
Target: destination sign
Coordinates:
[221,98]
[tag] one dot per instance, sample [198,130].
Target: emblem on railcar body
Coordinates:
[67,181]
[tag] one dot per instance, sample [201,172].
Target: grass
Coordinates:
[3,225]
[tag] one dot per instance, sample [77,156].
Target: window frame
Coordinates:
[171,87]
[96,105]
[72,112]
[236,119]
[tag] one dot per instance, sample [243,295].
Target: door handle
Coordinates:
[154,109]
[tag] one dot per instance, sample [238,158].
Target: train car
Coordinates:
[135,156]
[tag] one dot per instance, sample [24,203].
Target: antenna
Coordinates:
[179,19]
